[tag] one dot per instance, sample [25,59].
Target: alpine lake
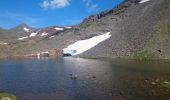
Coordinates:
[85,79]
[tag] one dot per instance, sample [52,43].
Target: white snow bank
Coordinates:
[143,1]
[3,43]
[68,27]
[33,34]
[45,52]
[59,29]
[84,45]
[51,37]
[26,29]
[44,34]
[22,38]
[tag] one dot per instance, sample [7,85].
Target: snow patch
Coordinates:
[51,37]
[3,43]
[33,34]
[44,34]
[68,27]
[143,1]
[26,29]
[84,45]
[45,52]
[22,38]
[59,29]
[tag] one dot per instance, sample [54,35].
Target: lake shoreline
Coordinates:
[48,79]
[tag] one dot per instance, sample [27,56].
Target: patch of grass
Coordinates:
[166,84]
[143,56]
[7,95]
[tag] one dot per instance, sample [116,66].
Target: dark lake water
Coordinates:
[97,79]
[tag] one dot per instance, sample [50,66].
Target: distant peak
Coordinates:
[2,28]
[23,25]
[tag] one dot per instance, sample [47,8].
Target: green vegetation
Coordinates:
[143,55]
[7,96]
[166,84]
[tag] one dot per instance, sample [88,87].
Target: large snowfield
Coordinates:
[84,45]
[143,1]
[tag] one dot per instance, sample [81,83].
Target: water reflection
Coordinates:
[49,79]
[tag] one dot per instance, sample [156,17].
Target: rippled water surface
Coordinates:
[97,79]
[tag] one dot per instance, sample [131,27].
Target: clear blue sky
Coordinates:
[43,13]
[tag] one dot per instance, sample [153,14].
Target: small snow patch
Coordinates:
[33,34]
[26,29]
[22,38]
[84,45]
[3,43]
[51,37]
[59,29]
[68,27]
[143,1]
[45,52]
[44,34]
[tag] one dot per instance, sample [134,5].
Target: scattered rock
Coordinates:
[159,51]
[73,77]
[121,93]
[146,80]
[157,80]
[153,83]
[94,77]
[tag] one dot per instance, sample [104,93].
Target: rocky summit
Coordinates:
[139,29]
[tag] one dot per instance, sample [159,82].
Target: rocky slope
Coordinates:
[140,29]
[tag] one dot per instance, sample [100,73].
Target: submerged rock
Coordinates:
[73,77]
[7,96]
[94,77]
[153,83]
[166,84]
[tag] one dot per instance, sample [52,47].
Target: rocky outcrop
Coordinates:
[140,29]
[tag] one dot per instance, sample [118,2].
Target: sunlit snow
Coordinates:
[3,43]
[26,29]
[143,1]
[45,52]
[51,37]
[84,45]
[22,38]
[59,29]
[44,34]
[68,27]
[33,34]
